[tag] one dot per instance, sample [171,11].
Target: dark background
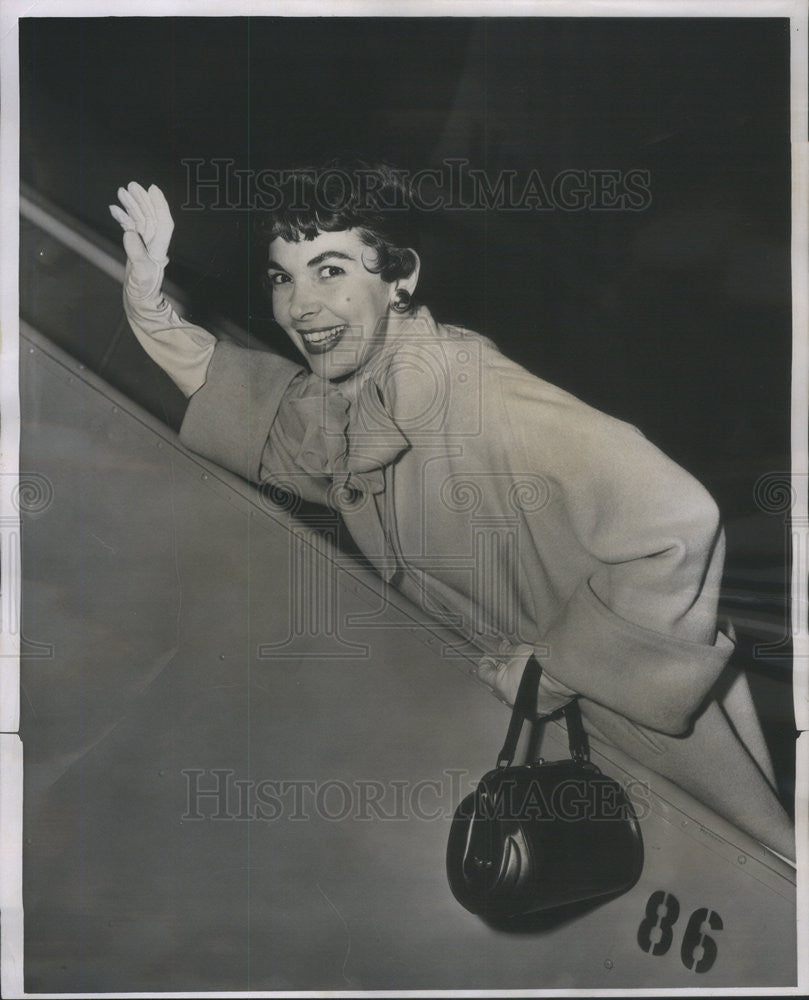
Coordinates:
[676,318]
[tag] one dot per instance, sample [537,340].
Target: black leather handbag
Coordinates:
[542,835]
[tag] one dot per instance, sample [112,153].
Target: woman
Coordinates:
[505,507]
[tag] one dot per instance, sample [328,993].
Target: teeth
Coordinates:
[321,336]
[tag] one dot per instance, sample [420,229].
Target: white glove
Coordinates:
[147,224]
[504,673]
[181,349]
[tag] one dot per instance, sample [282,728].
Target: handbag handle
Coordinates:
[525,708]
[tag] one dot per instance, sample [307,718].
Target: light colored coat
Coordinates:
[516,514]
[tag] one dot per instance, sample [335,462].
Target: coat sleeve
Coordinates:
[239,414]
[639,632]
[228,420]
[236,393]
[181,349]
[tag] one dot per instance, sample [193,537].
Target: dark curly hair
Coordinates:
[373,198]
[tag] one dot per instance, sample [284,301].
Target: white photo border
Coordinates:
[11,762]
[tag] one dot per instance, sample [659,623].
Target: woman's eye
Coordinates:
[278,277]
[331,271]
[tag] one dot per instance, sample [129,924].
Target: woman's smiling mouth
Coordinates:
[320,341]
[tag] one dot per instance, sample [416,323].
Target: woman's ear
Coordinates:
[409,283]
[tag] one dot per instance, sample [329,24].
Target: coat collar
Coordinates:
[349,433]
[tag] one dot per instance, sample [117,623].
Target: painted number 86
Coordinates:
[698,951]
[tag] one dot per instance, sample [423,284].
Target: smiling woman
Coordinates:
[331,301]
[337,267]
[504,506]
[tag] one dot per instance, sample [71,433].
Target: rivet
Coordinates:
[742,859]
[608,963]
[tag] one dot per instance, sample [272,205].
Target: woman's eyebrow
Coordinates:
[328,253]
[272,265]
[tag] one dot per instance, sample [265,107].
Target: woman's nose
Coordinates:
[303,302]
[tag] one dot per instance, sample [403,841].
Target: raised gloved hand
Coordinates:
[147,224]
